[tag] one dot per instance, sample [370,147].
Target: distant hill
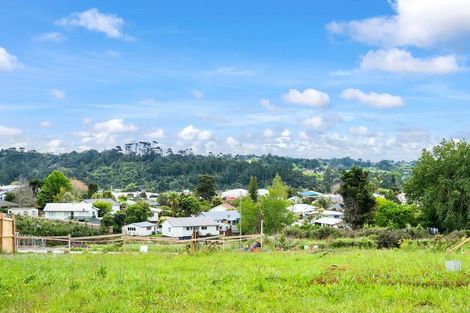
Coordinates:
[151,168]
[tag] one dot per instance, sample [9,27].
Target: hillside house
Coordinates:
[227,220]
[183,227]
[71,211]
[33,212]
[139,229]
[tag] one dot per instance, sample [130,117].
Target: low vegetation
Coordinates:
[340,281]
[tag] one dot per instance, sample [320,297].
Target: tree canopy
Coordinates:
[54,185]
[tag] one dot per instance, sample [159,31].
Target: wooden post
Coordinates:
[1,232]
[69,243]
[262,235]
[14,233]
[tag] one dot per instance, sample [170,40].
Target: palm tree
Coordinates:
[173,200]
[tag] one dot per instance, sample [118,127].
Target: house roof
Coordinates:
[222,215]
[190,221]
[336,207]
[222,207]
[234,193]
[331,213]
[69,207]
[109,200]
[4,204]
[141,224]
[301,208]
[309,193]
[328,221]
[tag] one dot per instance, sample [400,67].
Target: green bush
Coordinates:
[39,227]
[360,242]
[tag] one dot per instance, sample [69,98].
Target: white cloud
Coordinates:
[192,133]
[8,131]
[45,124]
[115,126]
[420,23]
[8,62]
[93,20]
[268,133]
[50,37]
[285,133]
[87,120]
[377,100]
[231,141]
[57,94]
[147,101]
[311,97]
[196,94]
[359,131]
[402,61]
[157,134]
[315,122]
[56,146]
[267,104]
[303,136]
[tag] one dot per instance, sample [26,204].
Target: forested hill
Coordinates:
[156,170]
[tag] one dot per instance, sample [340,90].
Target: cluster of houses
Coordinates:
[223,218]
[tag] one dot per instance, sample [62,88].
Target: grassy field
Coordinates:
[340,281]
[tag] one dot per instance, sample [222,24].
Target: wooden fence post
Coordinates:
[1,232]
[14,233]
[69,243]
[262,235]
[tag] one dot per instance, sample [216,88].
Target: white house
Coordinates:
[6,189]
[302,209]
[139,229]
[226,219]
[155,215]
[333,214]
[70,211]
[115,206]
[182,227]
[328,221]
[24,211]
[222,207]
[233,194]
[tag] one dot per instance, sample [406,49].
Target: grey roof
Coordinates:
[191,221]
[69,207]
[109,200]
[4,204]
[222,215]
[142,224]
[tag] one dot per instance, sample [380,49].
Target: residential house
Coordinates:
[222,207]
[155,215]
[139,229]
[233,194]
[227,220]
[33,212]
[71,211]
[302,209]
[6,189]
[115,205]
[328,221]
[7,204]
[183,227]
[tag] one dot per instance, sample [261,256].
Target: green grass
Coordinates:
[341,281]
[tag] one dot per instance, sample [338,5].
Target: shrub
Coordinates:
[39,227]
[360,242]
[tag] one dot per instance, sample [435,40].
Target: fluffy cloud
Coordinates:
[8,62]
[8,131]
[115,126]
[402,61]
[359,131]
[56,146]
[315,122]
[192,133]
[196,94]
[45,124]
[50,37]
[420,23]
[377,100]
[57,94]
[231,141]
[311,97]
[93,20]
[157,134]
[267,133]
[267,104]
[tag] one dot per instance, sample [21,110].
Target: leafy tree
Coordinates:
[274,207]
[393,215]
[440,185]
[103,207]
[253,188]
[35,185]
[138,212]
[64,196]
[357,196]
[92,189]
[216,200]
[189,205]
[10,197]
[131,187]
[54,184]
[173,201]
[206,188]
[250,214]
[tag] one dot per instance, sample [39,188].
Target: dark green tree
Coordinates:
[357,196]
[189,205]
[92,189]
[206,187]
[440,185]
[138,212]
[53,185]
[253,188]
[103,207]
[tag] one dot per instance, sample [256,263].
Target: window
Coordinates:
[130,228]
[25,212]
[149,228]
[169,229]
[204,227]
[33,213]
[188,228]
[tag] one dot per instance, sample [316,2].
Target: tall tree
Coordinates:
[440,185]
[53,185]
[253,188]
[274,207]
[206,188]
[24,195]
[92,189]
[138,212]
[357,196]
[173,201]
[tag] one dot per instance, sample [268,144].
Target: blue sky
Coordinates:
[372,80]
